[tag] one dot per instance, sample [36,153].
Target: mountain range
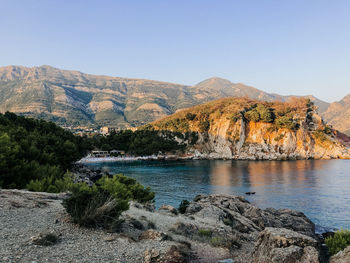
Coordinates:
[73,98]
[338,115]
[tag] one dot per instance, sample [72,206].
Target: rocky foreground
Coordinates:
[34,227]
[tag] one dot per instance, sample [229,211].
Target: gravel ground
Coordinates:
[24,215]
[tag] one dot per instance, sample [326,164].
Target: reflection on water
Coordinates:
[319,188]
[253,174]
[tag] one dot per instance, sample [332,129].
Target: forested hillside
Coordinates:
[34,149]
[141,142]
[36,154]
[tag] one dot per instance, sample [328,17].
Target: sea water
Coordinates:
[319,188]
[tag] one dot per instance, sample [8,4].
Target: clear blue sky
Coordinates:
[282,46]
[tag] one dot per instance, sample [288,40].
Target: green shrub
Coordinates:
[252,115]
[220,241]
[266,114]
[123,187]
[225,241]
[285,122]
[236,116]
[217,241]
[183,205]
[279,137]
[228,221]
[338,242]
[234,135]
[205,232]
[190,116]
[176,125]
[101,204]
[192,137]
[320,135]
[328,130]
[204,125]
[94,206]
[309,104]
[260,113]
[51,184]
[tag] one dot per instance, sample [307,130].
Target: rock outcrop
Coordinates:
[173,255]
[168,209]
[341,257]
[277,245]
[243,217]
[233,128]
[247,231]
[214,228]
[85,175]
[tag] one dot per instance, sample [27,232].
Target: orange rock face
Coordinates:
[223,136]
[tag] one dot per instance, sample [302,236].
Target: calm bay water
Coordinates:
[319,188]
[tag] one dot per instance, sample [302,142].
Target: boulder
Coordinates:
[45,239]
[150,207]
[290,219]
[184,229]
[175,254]
[193,208]
[244,217]
[341,257]
[87,175]
[168,209]
[153,235]
[130,227]
[275,245]
[151,256]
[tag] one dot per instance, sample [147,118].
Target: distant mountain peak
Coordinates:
[215,81]
[45,66]
[346,98]
[215,78]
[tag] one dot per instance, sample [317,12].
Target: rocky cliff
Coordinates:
[240,128]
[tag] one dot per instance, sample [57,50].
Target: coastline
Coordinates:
[277,184]
[87,159]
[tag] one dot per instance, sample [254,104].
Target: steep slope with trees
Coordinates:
[241,128]
[35,149]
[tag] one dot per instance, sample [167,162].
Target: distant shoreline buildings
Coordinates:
[106,154]
[104,130]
